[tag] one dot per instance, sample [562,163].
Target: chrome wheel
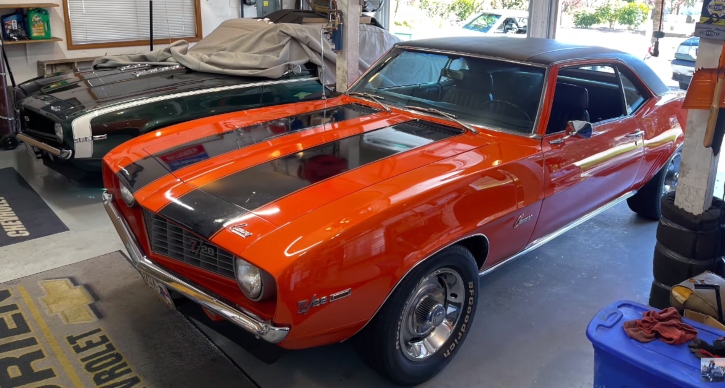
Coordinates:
[431,313]
[672,174]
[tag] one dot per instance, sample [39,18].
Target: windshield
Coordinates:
[483,22]
[486,92]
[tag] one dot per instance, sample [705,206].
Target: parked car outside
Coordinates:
[370,215]
[498,22]
[71,121]
[683,65]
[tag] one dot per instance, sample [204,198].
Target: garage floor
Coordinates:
[533,312]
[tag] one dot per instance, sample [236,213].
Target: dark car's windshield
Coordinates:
[482,23]
[486,92]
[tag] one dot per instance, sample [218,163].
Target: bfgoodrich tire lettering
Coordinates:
[386,342]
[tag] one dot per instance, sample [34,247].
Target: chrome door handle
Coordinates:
[637,133]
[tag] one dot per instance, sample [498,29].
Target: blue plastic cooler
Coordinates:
[620,361]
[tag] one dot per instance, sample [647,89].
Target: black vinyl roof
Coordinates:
[538,51]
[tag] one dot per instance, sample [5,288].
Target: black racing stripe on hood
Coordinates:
[141,173]
[202,213]
[264,183]
[147,170]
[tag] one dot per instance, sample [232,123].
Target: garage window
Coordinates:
[104,23]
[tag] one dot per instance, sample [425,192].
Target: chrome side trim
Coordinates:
[244,319]
[415,266]
[543,240]
[61,153]
[82,130]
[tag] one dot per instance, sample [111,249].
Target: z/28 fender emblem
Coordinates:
[304,306]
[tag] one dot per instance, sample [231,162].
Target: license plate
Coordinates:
[159,288]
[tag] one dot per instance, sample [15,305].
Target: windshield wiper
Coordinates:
[444,114]
[371,97]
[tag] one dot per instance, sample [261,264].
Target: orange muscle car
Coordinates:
[371,214]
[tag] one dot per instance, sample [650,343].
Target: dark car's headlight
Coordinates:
[59,131]
[127,196]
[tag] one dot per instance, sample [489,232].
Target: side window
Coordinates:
[632,96]
[587,93]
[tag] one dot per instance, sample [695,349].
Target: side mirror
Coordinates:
[579,128]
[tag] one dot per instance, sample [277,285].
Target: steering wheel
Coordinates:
[508,104]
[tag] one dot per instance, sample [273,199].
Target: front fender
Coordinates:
[368,241]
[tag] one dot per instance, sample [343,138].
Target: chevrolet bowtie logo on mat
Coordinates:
[71,303]
[95,324]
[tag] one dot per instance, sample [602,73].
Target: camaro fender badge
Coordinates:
[522,219]
[239,231]
[304,306]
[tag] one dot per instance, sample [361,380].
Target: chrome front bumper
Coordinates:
[241,318]
[61,153]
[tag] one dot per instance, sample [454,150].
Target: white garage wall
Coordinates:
[23,58]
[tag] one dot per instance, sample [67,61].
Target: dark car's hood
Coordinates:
[83,92]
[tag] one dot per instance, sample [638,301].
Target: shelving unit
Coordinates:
[30,6]
[32,41]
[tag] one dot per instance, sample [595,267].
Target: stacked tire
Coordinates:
[687,246]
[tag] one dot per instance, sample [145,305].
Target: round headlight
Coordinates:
[249,278]
[59,131]
[127,196]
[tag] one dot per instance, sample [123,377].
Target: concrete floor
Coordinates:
[532,312]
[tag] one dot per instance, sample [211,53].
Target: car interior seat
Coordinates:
[471,89]
[570,103]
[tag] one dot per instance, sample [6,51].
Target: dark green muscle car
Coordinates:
[72,121]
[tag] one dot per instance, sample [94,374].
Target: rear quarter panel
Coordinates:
[663,121]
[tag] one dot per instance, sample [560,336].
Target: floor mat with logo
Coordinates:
[96,324]
[23,214]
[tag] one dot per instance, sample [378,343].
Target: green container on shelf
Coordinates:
[38,23]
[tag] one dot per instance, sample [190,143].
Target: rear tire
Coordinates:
[647,203]
[426,319]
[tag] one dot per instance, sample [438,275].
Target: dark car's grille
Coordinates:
[170,240]
[37,122]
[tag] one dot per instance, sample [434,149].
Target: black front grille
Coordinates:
[170,240]
[37,122]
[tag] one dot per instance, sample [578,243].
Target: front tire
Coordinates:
[426,319]
[647,203]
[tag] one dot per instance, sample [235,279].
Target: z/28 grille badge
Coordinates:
[304,306]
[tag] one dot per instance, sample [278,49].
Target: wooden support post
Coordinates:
[348,61]
[542,18]
[699,166]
